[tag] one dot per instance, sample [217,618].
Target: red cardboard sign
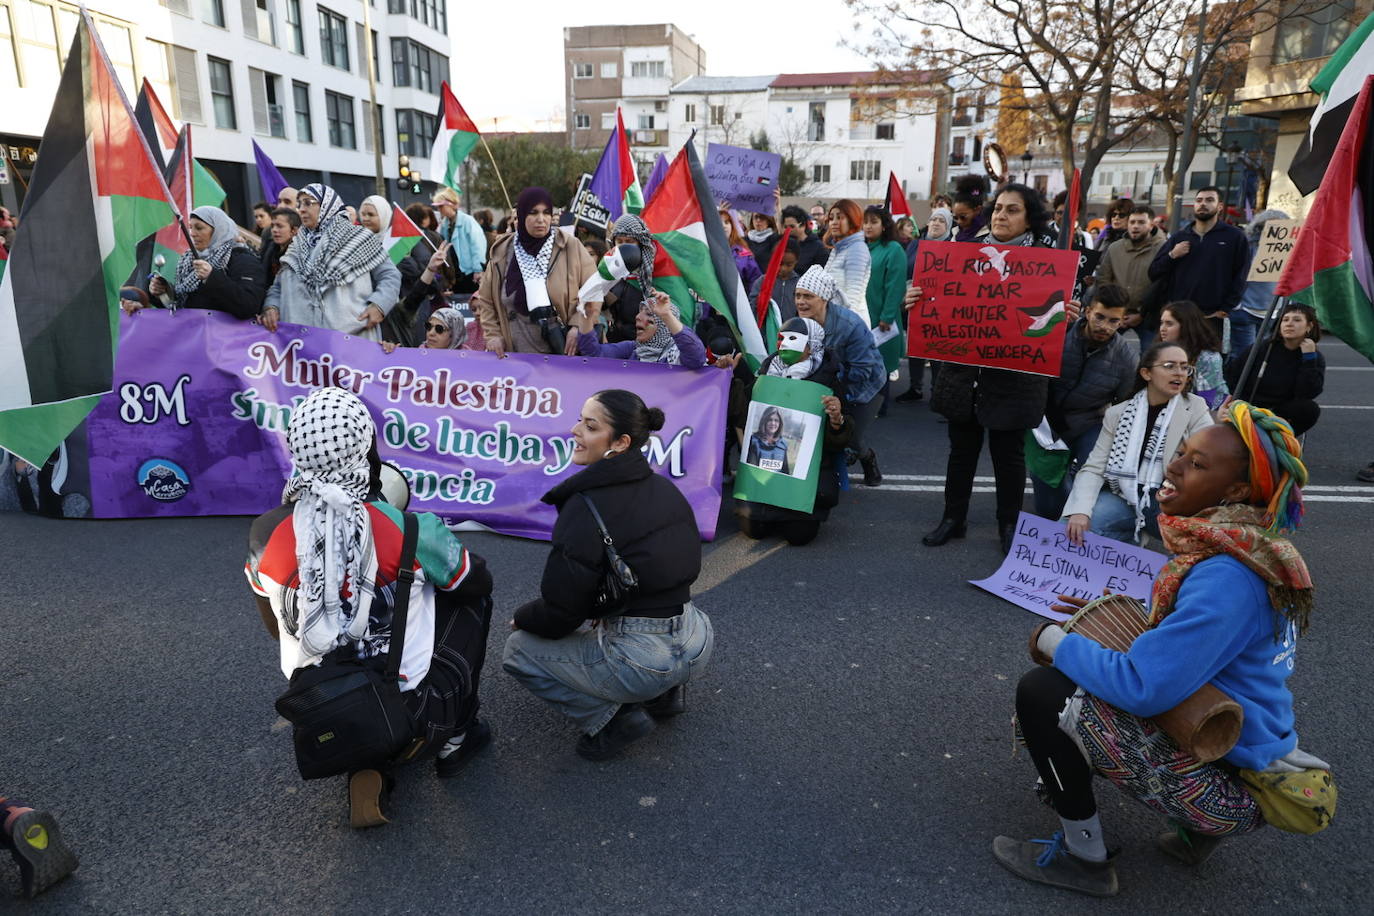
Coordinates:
[991,305]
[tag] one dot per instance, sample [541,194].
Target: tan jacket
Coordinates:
[1189,417]
[568,270]
[1127,264]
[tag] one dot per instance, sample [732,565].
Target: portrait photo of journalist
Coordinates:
[781,440]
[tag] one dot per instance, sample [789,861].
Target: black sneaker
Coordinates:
[1366,474]
[1188,847]
[911,394]
[627,726]
[478,736]
[872,476]
[1050,862]
[43,859]
[672,702]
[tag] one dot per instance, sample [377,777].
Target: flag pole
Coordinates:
[497,169]
[1266,336]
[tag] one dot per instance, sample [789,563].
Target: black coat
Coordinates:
[237,289]
[654,532]
[994,398]
[813,251]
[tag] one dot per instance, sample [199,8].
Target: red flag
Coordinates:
[1069,226]
[896,198]
[769,278]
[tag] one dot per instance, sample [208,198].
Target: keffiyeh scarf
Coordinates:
[633,227]
[1129,474]
[806,367]
[336,251]
[222,243]
[661,348]
[329,436]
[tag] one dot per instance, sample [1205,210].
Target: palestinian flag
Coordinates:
[615,181]
[170,241]
[456,137]
[1332,265]
[1044,318]
[1338,83]
[158,129]
[96,191]
[682,217]
[403,235]
[896,204]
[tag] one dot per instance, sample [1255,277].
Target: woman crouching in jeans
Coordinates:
[614,675]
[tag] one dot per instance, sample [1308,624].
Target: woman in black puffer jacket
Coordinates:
[220,274]
[613,675]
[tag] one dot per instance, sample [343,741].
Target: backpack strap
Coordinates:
[405,578]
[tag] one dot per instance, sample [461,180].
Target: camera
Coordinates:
[550,327]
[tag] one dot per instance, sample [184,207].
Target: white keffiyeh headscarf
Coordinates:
[222,243]
[336,251]
[815,339]
[661,348]
[329,436]
[1130,474]
[819,282]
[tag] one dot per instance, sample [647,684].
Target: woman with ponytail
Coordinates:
[1226,609]
[613,672]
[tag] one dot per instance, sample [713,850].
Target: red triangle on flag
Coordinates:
[896,204]
[675,203]
[402,226]
[455,118]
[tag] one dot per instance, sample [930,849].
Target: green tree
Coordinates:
[792,178]
[525,162]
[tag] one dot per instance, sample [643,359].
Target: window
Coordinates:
[269,117]
[608,71]
[259,22]
[646,122]
[433,13]
[1312,30]
[689,113]
[178,6]
[885,131]
[212,11]
[413,64]
[186,78]
[9,55]
[222,94]
[582,122]
[820,174]
[608,120]
[415,132]
[815,121]
[293,20]
[717,114]
[361,34]
[981,108]
[957,156]
[333,39]
[864,169]
[582,71]
[1198,180]
[300,94]
[367,125]
[647,68]
[338,111]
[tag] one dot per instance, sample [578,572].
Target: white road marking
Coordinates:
[1346,407]
[1311,494]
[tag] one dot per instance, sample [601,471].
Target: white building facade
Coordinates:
[290,74]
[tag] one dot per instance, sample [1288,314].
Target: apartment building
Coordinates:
[290,74]
[633,66]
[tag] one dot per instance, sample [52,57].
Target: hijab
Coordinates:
[457,327]
[661,348]
[634,227]
[530,257]
[336,251]
[222,243]
[383,210]
[948,217]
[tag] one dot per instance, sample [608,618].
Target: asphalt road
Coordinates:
[849,749]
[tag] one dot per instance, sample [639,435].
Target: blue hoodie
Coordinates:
[1222,631]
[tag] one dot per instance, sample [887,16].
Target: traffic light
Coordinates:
[404,163]
[415,183]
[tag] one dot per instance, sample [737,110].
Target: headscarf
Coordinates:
[383,210]
[634,227]
[222,243]
[329,436]
[336,251]
[661,348]
[815,339]
[818,282]
[530,257]
[944,214]
[1252,533]
[457,327]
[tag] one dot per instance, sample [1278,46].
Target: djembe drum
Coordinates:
[1206,724]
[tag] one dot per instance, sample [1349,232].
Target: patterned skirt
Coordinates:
[1145,763]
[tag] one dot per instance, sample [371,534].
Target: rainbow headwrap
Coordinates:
[1277,472]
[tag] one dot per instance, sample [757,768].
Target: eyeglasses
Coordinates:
[1185,368]
[436,328]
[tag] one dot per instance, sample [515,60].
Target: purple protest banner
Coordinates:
[196,422]
[1043,563]
[744,178]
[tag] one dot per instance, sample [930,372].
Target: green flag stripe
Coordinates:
[33,433]
[1342,306]
[1326,78]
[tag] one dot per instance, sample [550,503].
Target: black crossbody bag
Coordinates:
[619,584]
[348,713]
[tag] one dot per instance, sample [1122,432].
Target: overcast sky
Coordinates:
[508,56]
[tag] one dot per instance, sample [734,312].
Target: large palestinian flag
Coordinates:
[1332,266]
[678,218]
[95,193]
[453,141]
[1338,83]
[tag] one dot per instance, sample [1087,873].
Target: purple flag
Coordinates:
[271,179]
[656,176]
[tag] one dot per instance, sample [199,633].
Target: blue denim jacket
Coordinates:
[851,340]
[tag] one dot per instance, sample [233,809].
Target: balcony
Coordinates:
[650,137]
[957,159]
[963,119]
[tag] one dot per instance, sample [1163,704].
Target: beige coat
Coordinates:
[1188,418]
[568,270]
[1127,264]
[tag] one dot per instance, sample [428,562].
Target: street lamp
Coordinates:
[1231,154]
[1026,158]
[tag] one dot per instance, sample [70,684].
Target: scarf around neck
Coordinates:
[802,368]
[661,348]
[222,244]
[1239,532]
[335,252]
[1131,474]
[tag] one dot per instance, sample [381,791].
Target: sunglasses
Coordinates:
[436,328]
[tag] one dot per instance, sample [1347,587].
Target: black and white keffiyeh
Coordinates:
[631,226]
[1130,474]
[819,282]
[661,348]
[329,436]
[222,243]
[336,251]
[815,339]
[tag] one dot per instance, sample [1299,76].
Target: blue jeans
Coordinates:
[1114,518]
[1049,501]
[589,674]
[1244,326]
